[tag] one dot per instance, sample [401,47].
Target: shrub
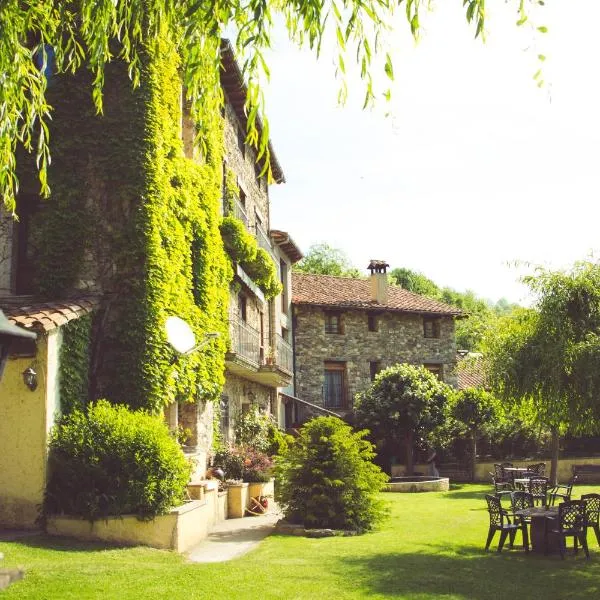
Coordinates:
[110,460]
[244,463]
[326,477]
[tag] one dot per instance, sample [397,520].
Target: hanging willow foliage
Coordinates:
[65,35]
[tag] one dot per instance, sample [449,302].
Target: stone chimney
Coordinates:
[379,282]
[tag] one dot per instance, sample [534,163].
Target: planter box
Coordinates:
[237,500]
[182,528]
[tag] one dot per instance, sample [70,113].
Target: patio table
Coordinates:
[539,516]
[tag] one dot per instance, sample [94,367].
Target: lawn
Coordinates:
[431,547]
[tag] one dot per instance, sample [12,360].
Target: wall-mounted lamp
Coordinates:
[30,378]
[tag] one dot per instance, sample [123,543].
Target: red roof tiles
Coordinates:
[470,372]
[47,316]
[344,292]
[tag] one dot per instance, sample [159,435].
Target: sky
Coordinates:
[471,174]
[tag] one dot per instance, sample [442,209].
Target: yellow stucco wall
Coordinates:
[25,420]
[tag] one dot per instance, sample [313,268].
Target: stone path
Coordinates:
[234,537]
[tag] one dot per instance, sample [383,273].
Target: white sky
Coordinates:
[475,168]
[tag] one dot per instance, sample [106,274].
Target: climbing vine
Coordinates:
[135,220]
[74,363]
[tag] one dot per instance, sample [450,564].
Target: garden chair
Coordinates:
[562,491]
[520,500]
[569,522]
[592,513]
[500,521]
[538,488]
[537,468]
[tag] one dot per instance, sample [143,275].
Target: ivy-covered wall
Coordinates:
[130,217]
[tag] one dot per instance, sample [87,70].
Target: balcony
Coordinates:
[245,342]
[265,243]
[284,354]
[246,357]
[239,212]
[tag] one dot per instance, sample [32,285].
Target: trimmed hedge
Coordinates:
[327,478]
[111,461]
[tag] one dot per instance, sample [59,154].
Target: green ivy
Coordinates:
[74,364]
[256,261]
[131,210]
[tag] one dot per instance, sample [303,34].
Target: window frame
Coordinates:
[435,324]
[329,315]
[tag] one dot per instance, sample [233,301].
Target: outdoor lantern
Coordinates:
[30,378]
[9,334]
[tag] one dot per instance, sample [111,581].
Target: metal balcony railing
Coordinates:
[284,354]
[336,395]
[245,340]
[265,243]
[239,212]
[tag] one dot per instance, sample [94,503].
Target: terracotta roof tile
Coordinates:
[345,292]
[47,316]
[470,372]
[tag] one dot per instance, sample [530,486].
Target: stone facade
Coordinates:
[399,338]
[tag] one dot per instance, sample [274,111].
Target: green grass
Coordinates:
[431,547]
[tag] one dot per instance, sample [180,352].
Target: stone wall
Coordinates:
[257,197]
[399,339]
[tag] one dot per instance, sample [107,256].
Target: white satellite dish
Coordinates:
[180,335]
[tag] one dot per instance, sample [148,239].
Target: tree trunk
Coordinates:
[473,454]
[410,467]
[555,445]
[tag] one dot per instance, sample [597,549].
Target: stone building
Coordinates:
[134,217]
[260,358]
[347,330]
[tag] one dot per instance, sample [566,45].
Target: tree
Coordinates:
[322,259]
[403,403]
[549,356]
[481,313]
[327,478]
[476,410]
[67,35]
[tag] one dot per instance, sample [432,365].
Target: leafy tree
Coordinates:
[322,259]
[66,35]
[416,282]
[477,411]
[405,402]
[549,356]
[482,314]
[327,478]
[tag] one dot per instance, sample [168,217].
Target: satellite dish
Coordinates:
[180,335]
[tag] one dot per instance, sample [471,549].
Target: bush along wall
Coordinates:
[135,220]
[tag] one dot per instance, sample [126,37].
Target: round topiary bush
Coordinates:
[327,478]
[109,460]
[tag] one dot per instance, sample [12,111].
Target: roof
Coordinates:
[287,244]
[236,90]
[46,316]
[345,292]
[470,371]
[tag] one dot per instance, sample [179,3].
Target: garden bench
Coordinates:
[586,473]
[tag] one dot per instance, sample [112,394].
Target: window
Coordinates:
[373,322]
[243,307]
[335,392]
[333,322]
[242,196]
[241,140]
[437,369]
[431,327]
[374,368]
